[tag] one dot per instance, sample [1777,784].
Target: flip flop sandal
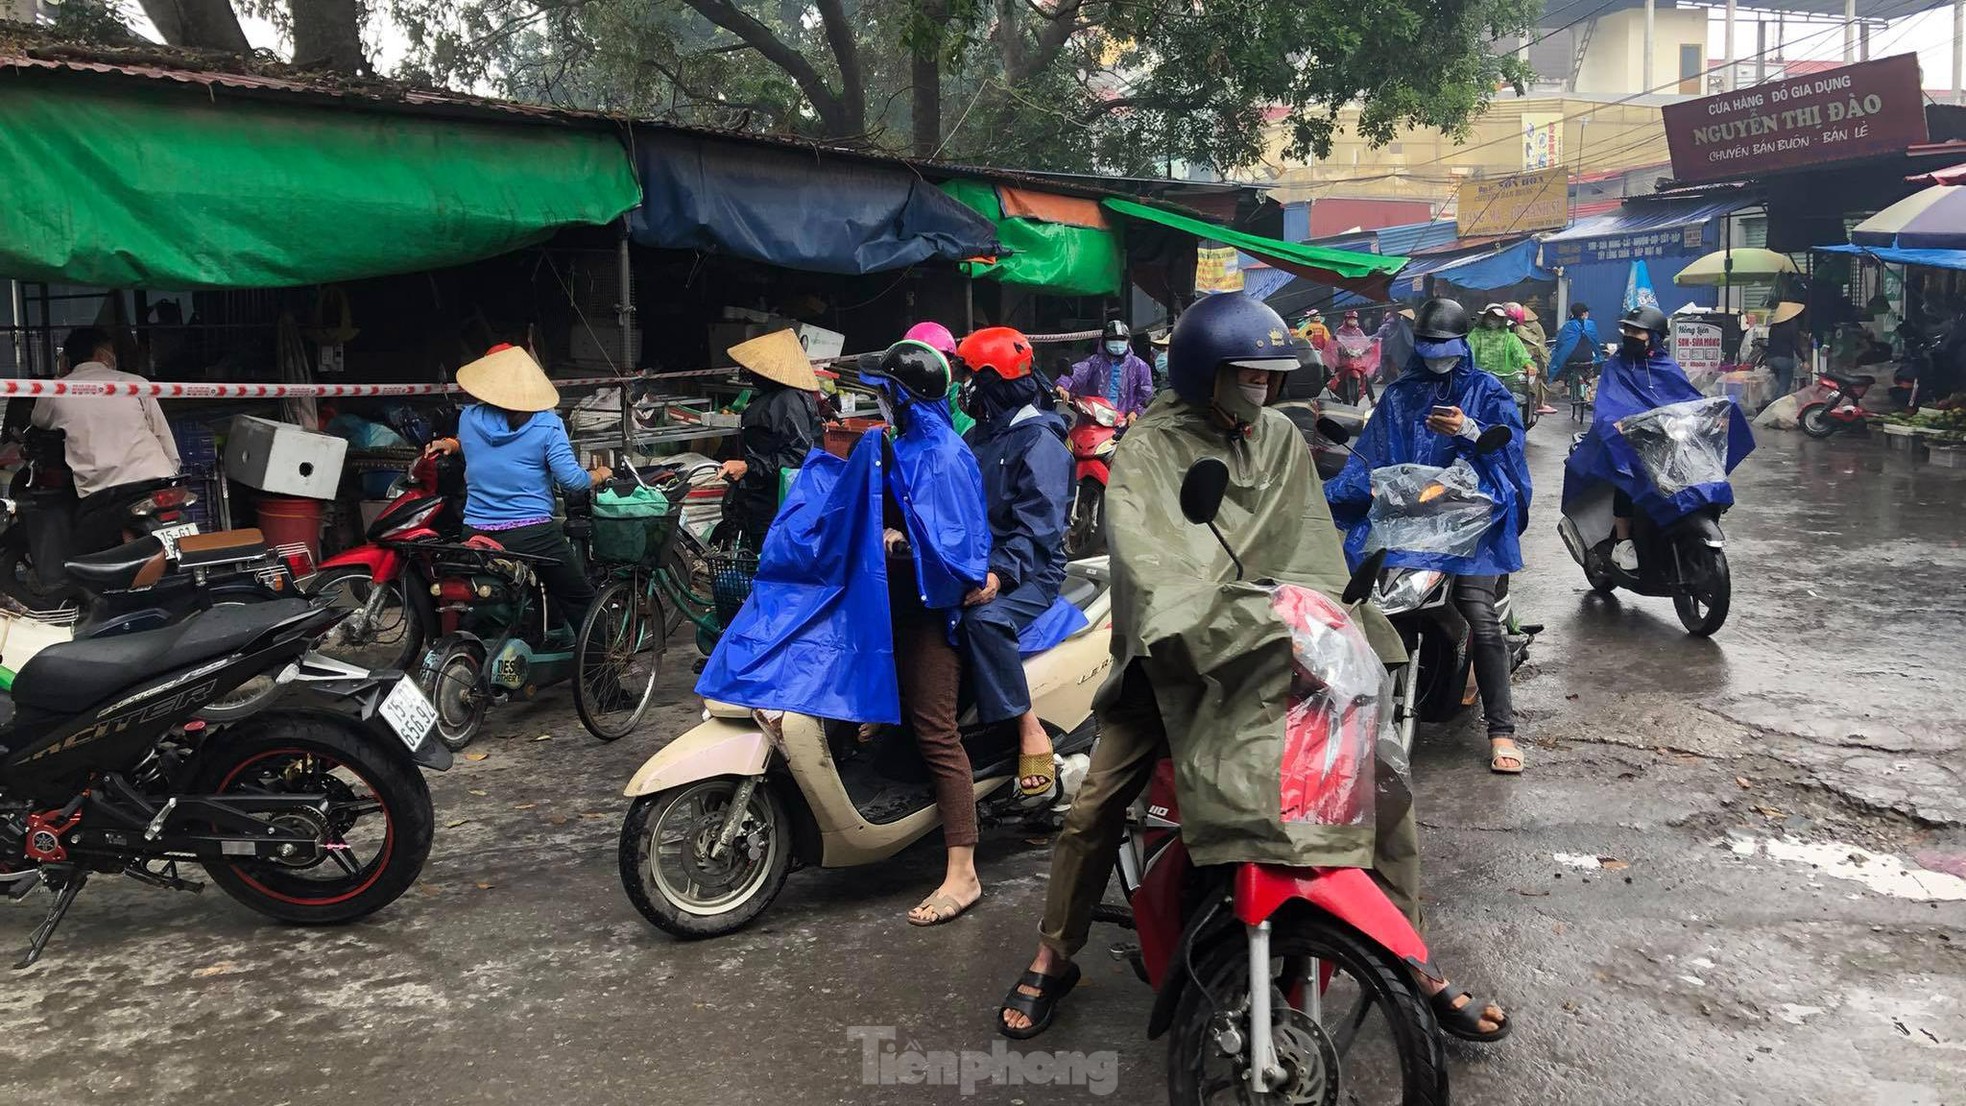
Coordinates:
[1036,765]
[1465,1021]
[1041,1007]
[1514,753]
[945,910]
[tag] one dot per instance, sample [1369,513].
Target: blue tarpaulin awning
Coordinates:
[1935,259]
[1498,269]
[781,208]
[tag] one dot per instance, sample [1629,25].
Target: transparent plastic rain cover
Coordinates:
[1681,445]
[1331,726]
[1428,509]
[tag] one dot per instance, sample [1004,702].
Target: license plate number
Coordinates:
[409,712]
[170,534]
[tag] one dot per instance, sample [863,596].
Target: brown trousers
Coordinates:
[1131,741]
[930,674]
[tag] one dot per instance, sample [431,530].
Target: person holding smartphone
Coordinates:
[1434,414]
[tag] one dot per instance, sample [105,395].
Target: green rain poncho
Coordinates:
[1214,651]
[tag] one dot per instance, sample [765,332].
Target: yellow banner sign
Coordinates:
[1218,270]
[1514,204]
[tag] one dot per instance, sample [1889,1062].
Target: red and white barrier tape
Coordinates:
[24,388]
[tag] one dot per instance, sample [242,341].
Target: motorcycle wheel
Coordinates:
[1704,610]
[1815,420]
[1375,1042]
[453,678]
[394,639]
[1347,387]
[618,657]
[671,879]
[379,816]
[1085,535]
[1600,580]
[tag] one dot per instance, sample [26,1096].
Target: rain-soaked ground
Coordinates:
[1698,893]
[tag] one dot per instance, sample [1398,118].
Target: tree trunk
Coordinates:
[328,35]
[198,24]
[927,77]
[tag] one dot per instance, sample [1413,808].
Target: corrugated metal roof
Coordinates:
[1412,238]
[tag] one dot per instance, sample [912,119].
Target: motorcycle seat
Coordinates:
[220,548]
[1852,380]
[136,565]
[74,676]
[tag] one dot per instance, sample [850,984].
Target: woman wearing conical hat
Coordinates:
[515,453]
[781,425]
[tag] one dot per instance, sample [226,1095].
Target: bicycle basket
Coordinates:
[732,571]
[631,528]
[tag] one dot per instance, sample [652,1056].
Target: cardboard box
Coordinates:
[819,342]
[282,458]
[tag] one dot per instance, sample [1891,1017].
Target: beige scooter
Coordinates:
[724,812]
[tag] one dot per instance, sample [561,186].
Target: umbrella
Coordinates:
[1934,219]
[1750,264]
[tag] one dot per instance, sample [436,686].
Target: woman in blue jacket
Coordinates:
[1577,344]
[515,453]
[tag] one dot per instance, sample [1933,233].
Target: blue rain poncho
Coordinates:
[1605,456]
[1397,434]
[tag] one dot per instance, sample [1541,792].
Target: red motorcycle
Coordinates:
[1094,436]
[1339,1016]
[383,585]
[1354,360]
[1841,407]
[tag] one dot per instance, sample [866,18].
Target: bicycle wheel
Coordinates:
[618,656]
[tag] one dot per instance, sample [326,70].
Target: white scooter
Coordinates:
[723,813]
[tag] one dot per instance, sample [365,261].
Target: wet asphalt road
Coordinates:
[1825,716]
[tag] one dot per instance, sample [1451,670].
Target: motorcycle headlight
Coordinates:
[1404,589]
[1106,447]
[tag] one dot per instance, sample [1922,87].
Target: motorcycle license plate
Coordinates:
[409,712]
[170,534]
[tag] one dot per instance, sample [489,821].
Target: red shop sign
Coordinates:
[1873,107]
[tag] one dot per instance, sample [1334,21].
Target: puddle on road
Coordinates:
[1881,872]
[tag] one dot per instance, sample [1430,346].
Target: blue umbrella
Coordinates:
[1934,219]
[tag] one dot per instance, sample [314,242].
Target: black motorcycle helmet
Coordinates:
[1227,329]
[914,369]
[1441,320]
[1646,318]
[1116,331]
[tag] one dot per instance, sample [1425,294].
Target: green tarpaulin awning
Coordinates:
[1058,258]
[166,190]
[1365,273]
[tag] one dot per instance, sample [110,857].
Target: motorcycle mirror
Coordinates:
[1494,438]
[1365,577]
[1335,433]
[1202,490]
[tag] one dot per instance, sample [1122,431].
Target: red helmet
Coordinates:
[1000,349]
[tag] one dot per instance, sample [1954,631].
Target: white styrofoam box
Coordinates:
[819,342]
[282,458]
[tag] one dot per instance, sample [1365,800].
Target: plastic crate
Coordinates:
[732,572]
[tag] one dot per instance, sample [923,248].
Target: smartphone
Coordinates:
[1442,412]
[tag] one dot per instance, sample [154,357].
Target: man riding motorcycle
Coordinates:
[1167,694]
[1027,478]
[1115,372]
[1433,415]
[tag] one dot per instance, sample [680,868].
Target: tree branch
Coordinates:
[832,111]
[846,51]
[709,96]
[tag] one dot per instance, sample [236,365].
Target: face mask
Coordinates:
[1441,364]
[1635,349]
[1160,362]
[1117,349]
[1258,394]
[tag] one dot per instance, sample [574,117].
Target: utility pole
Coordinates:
[1849,31]
[1727,50]
[1648,80]
[1958,51]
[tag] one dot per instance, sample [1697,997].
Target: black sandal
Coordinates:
[1465,1021]
[1041,1007]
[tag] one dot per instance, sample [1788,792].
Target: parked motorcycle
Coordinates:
[309,816]
[1094,435]
[1682,445]
[722,814]
[1338,1014]
[384,585]
[38,542]
[1841,407]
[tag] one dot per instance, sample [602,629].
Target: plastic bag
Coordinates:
[1331,726]
[1681,445]
[630,524]
[1428,509]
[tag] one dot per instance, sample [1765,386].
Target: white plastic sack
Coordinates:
[1781,414]
[1428,509]
[1681,445]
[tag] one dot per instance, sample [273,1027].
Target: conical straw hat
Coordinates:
[508,377]
[778,356]
[1786,310]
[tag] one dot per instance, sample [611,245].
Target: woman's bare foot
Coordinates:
[1046,962]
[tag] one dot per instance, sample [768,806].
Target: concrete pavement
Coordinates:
[1730,947]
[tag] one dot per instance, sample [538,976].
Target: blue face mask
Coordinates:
[1160,362]
[1116,349]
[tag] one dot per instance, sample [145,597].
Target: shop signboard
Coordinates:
[1697,346]
[1639,245]
[1542,140]
[1856,111]
[1514,204]
[1217,270]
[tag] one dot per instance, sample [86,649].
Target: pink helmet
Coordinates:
[1515,311]
[934,335]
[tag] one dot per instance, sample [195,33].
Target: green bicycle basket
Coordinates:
[631,526]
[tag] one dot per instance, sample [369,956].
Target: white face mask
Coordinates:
[1258,394]
[1442,364]
[1117,349]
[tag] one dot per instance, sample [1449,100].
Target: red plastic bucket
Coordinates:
[291,520]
